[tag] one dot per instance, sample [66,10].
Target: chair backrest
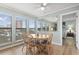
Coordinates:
[50,37]
[27,37]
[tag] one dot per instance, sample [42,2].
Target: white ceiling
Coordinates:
[34,8]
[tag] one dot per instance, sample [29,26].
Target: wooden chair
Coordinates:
[46,48]
[27,39]
[49,48]
[50,38]
[28,44]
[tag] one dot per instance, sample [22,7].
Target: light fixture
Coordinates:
[42,8]
[51,29]
[43,5]
[70,28]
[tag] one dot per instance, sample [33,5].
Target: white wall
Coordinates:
[57,35]
[77,31]
[60,29]
[56,38]
[51,19]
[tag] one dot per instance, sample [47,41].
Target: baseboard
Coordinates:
[57,44]
[11,45]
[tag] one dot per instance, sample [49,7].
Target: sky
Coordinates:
[7,20]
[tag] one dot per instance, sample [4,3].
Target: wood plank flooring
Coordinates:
[57,50]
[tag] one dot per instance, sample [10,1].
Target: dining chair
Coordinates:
[29,44]
[27,39]
[50,38]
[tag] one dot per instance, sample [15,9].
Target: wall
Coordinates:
[51,19]
[56,39]
[77,30]
[57,35]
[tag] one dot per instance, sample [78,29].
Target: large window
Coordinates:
[21,27]
[5,28]
[47,26]
[38,24]
[32,26]
[43,26]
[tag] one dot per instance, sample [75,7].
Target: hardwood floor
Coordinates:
[57,50]
[17,50]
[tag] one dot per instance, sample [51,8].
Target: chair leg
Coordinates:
[24,47]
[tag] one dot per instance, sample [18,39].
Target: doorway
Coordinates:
[69,30]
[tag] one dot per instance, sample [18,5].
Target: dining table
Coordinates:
[40,44]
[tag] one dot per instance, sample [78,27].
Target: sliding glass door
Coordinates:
[21,27]
[38,25]
[31,26]
[5,28]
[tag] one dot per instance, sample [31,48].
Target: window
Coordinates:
[21,27]
[38,24]
[53,27]
[47,26]
[43,26]
[5,28]
[32,26]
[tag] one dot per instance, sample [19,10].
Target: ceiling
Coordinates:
[34,8]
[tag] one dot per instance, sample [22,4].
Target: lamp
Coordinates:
[70,28]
